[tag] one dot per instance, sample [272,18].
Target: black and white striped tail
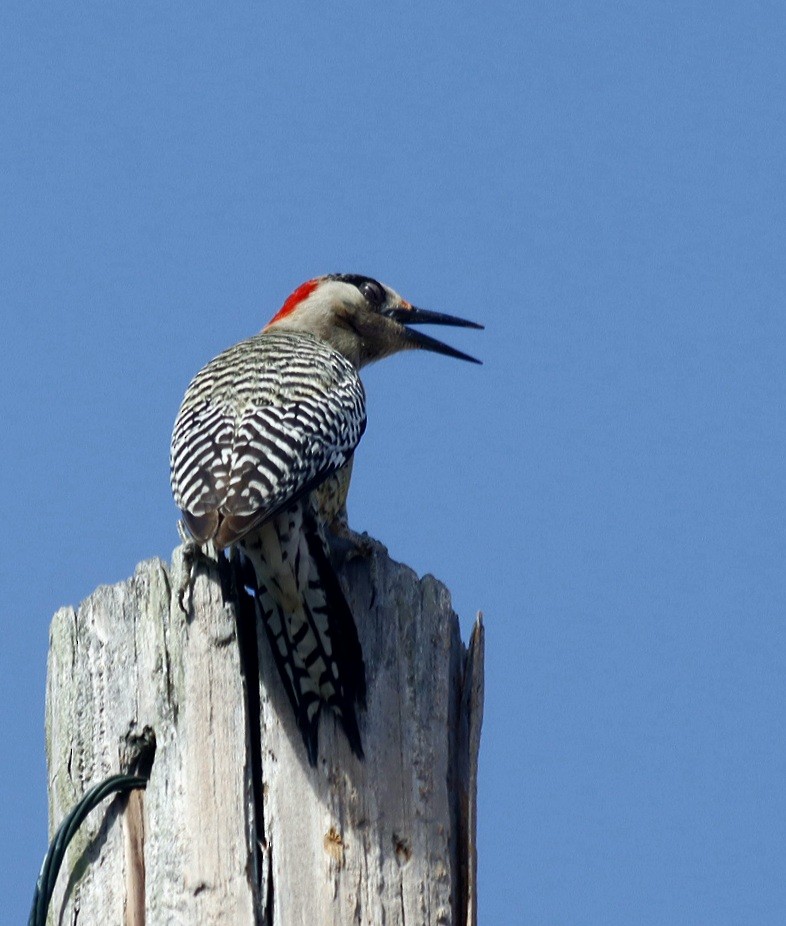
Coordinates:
[308,622]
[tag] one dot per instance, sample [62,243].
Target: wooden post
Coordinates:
[235,827]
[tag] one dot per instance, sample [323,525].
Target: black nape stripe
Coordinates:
[355,279]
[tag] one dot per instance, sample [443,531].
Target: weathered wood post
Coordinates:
[235,827]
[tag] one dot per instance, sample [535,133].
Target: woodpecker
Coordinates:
[260,463]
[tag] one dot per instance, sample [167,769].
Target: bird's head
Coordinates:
[362,319]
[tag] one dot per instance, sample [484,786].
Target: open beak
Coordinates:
[407,314]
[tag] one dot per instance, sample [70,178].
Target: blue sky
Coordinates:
[602,185]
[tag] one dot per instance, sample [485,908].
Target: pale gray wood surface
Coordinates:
[228,834]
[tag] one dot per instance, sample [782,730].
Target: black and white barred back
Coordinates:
[260,427]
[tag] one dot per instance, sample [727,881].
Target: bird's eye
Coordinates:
[372,292]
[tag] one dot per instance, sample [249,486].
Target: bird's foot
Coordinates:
[194,556]
[346,545]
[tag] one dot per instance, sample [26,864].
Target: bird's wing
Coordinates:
[259,426]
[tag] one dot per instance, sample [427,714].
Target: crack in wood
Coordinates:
[248,647]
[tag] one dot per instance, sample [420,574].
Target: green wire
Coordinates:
[53,859]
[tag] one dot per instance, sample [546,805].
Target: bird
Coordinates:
[260,463]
